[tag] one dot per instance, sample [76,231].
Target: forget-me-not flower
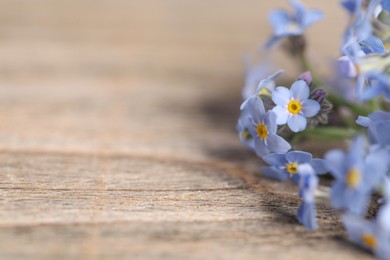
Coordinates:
[285,166]
[286,24]
[266,86]
[368,234]
[308,184]
[293,105]
[263,128]
[356,175]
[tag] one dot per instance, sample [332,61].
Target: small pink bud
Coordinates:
[306,76]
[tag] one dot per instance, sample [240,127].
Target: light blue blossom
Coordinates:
[285,166]
[266,86]
[368,234]
[360,31]
[308,184]
[356,175]
[293,106]
[253,75]
[263,128]
[286,24]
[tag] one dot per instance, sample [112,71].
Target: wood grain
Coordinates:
[117,134]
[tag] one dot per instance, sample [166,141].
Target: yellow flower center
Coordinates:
[246,135]
[353,178]
[294,107]
[262,131]
[263,91]
[370,241]
[292,168]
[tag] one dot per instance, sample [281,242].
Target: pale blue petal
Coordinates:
[281,96]
[363,121]
[300,90]
[373,44]
[335,161]
[337,195]
[274,173]
[279,19]
[310,108]
[256,109]
[386,5]
[298,157]
[312,17]
[276,159]
[282,115]
[319,166]
[356,150]
[270,122]
[383,133]
[277,144]
[260,147]
[380,116]
[372,92]
[271,41]
[307,215]
[297,123]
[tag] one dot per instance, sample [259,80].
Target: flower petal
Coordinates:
[281,115]
[363,121]
[270,122]
[256,108]
[275,173]
[281,96]
[319,166]
[275,159]
[310,108]
[300,90]
[335,162]
[298,157]
[277,144]
[260,147]
[296,123]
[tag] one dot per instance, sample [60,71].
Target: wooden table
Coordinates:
[117,134]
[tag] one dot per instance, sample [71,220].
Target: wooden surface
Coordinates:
[117,134]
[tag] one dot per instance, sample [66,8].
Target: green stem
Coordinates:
[326,133]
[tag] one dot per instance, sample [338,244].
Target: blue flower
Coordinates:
[285,166]
[308,184]
[360,31]
[266,86]
[253,75]
[368,234]
[286,24]
[356,175]
[263,128]
[293,106]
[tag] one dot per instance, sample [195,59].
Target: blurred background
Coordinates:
[149,77]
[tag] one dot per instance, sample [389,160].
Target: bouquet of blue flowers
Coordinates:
[351,105]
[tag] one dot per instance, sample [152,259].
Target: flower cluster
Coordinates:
[275,117]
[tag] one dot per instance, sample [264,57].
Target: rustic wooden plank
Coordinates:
[117,134]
